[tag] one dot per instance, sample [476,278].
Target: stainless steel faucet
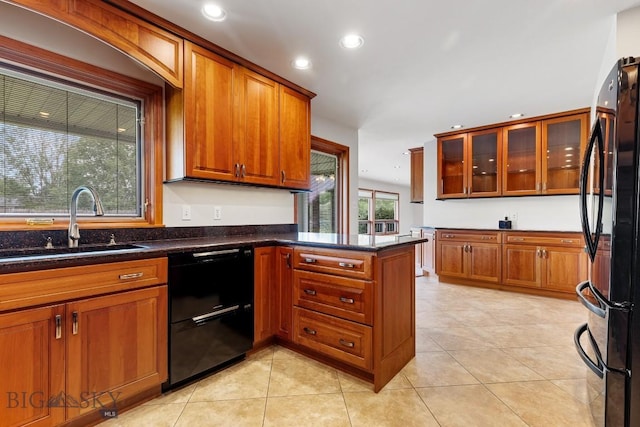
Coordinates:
[74,229]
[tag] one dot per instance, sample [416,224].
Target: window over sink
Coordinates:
[65,124]
[56,137]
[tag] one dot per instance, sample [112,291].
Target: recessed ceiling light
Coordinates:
[214,12]
[456,127]
[351,41]
[516,115]
[301,63]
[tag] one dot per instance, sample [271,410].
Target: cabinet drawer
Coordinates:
[347,341]
[569,240]
[350,299]
[30,288]
[332,261]
[469,236]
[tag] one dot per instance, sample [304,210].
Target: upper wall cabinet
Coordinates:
[232,124]
[417,174]
[535,157]
[154,47]
[468,164]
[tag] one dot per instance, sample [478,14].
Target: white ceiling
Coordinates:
[425,64]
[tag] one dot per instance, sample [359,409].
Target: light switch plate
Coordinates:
[186,212]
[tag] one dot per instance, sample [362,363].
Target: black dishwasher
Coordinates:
[210,311]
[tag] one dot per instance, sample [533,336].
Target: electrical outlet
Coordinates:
[186,212]
[513,216]
[217,212]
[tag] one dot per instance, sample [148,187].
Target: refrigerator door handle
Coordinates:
[595,143]
[599,310]
[598,367]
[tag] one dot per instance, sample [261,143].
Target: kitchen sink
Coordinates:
[61,251]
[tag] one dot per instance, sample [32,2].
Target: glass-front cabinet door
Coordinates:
[451,167]
[521,159]
[484,152]
[563,143]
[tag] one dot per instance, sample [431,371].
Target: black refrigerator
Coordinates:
[609,343]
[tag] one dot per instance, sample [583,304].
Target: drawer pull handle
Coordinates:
[448,236]
[347,300]
[310,331]
[487,238]
[130,276]
[309,291]
[310,260]
[346,343]
[566,241]
[517,239]
[346,264]
[58,326]
[74,323]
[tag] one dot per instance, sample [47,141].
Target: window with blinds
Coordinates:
[55,137]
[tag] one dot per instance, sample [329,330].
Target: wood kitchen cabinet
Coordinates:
[115,347]
[284,292]
[232,124]
[159,49]
[32,367]
[264,288]
[548,261]
[295,139]
[468,164]
[417,175]
[469,255]
[544,157]
[536,156]
[356,309]
[79,355]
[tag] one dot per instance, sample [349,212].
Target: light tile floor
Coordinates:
[483,358]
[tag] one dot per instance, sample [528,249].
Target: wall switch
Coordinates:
[217,212]
[186,212]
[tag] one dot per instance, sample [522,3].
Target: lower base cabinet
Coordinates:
[67,361]
[356,308]
[550,263]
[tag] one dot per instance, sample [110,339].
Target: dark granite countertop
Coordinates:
[166,242]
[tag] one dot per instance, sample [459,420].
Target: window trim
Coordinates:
[23,55]
[342,189]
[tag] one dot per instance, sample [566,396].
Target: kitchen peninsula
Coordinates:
[348,301]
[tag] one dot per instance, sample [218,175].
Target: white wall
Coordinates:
[628,33]
[410,213]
